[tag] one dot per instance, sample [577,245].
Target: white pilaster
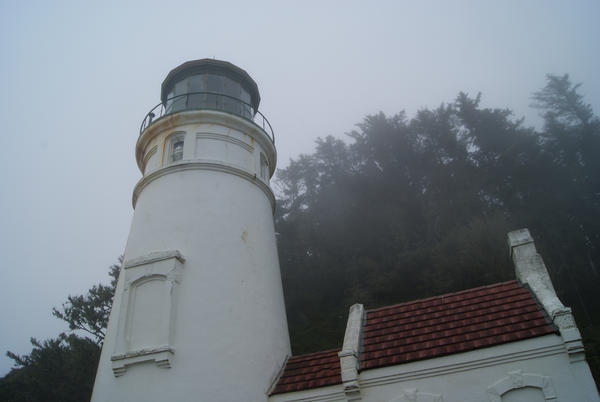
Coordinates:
[530,269]
[350,353]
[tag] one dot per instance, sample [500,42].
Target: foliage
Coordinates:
[89,313]
[62,369]
[409,208]
[406,208]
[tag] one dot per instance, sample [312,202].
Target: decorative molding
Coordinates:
[275,378]
[203,165]
[473,364]
[225,138]
[195,117]
[161,356]
[153,257]
[530,269]
[349,355]
[352,391]
[154,276]
[300,396]
[167,146]
[517,379]
[147,157]
[414,395]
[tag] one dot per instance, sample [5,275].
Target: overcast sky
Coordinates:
[76,79]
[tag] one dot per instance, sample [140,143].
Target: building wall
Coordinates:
[516,371]
[201,273]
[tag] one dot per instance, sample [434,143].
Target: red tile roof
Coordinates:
[426,328]
[451,323]
[310,371]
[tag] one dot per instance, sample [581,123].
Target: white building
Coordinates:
[511,341]
[199,315]
[198,312]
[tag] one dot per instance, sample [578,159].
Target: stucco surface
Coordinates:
[228,334]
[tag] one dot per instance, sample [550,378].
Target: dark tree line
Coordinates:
[405,208]
[413,207]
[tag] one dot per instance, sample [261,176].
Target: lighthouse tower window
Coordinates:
[175,147]
[177,154]
[264,167]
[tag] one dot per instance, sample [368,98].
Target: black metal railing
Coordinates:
[210,101]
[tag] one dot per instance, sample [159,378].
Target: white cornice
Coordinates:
[220,137]
[177,120]
[203,165]
[153,257]
[408,371]
[323,394]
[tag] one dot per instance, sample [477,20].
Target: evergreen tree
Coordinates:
[63,369]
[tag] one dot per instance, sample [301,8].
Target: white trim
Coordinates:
[163,266]
[225,138]
[471,361]
[177,120]
[277,375]
[310,395]
[160,356]
[153,257]
[349,355]
[530,269]
[147,157]
[517,379]
[216,166]
[168,148]
[414,395]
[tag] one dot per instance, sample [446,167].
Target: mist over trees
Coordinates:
[405,208]
[402,208]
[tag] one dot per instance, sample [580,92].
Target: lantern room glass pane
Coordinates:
[178,103]
[224,93]
[196,84]
[233,90]
[214,83]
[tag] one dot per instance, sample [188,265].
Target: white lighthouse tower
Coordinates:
[198,313]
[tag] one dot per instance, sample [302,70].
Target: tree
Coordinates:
[58,369]
[89,313]
[405,208]
[561,103]
[62,369]
[414,207]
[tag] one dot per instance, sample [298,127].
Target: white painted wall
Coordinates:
[471,376]
[540,364]
[228,329]
[547,368]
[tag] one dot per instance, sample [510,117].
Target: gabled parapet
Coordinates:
[350,353]
[531,270]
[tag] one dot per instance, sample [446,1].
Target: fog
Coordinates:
[77,79]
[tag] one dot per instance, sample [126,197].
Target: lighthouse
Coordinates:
[198,312]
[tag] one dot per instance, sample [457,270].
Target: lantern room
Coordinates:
[210,84]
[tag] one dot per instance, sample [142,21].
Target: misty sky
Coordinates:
[76,79]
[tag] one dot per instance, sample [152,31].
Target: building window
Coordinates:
[264,167]
[174,148]
[177,153]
